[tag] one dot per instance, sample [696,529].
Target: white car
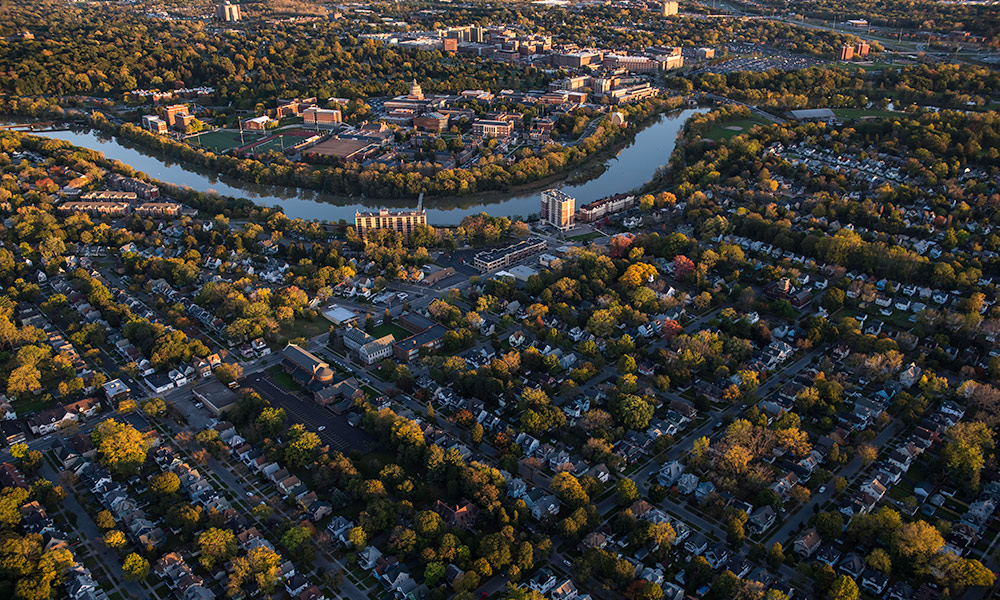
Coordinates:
[321,428]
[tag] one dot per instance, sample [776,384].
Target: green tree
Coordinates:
[216,546]
[167,483]
[135,567]
[844,588]
[121,446]
[115,539]
[626,491]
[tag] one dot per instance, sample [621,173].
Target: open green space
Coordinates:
[586,237]
[283,379]
[728,129]
[278,144]
[390,329]
[305,328]
[220,141]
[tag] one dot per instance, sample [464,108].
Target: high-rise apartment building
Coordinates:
[230,13]
[402,221]
[558,209]
[668,8]
[847,53]
[862,49]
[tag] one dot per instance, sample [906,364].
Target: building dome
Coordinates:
[324,374]
[415,92]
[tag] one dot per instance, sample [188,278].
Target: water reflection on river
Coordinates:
[633,166]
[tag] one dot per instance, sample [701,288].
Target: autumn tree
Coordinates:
[135,567]
[121,446]
[216,546]
[166,483]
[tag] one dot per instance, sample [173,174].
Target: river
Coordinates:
[633,166]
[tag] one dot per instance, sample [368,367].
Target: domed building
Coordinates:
[618,118]
[306,368]
[415,92]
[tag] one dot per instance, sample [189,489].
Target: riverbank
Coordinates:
[627,165]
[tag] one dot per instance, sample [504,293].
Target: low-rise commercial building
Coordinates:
[498,258]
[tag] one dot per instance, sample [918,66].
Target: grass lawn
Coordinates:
[861,113]
[586,237]
[305,328]
[728,129]
[285,380]
[26,405]
[278,144]
[390,328]
[220,141]
[370,391]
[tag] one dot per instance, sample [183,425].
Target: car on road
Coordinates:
[198,405]
[567,563]
[822,489]
[249,494]
[321,428]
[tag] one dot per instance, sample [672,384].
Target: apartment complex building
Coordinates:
[558,209]
[606,206]
[498,258]
[401,221]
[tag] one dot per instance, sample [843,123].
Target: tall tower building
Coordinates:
[230,13]
[669,8]
[558,209]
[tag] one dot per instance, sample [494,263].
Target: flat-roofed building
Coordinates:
[862,49]
[229,13]
[321,117]
[632,64]
[634,93]
[558,209]
[433,122]
[668,8]
[174,114]
[217,397]
[492,128]
[577,60]
[847,52]
[154,123]
[498,258]
[704,53]
[401,221]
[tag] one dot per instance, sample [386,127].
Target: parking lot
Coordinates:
[338,433]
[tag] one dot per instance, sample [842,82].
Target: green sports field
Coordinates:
[220,141]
